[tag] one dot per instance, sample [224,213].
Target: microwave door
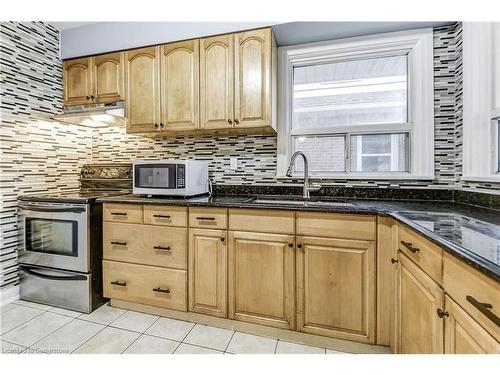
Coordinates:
[151,176]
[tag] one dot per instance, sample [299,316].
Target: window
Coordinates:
[358,107]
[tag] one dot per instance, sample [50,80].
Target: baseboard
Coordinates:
[9,295]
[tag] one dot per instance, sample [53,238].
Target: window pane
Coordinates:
[324,154]
[368,91]
[498,146]
[379,152]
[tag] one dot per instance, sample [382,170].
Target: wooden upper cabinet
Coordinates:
[336,288]
[463,335]
[217,82]
[252,96]
[180,85]
[108,76]
[77,81]
[420,329]
[142,89]
[261,278]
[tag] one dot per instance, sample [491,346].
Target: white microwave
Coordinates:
[170,177]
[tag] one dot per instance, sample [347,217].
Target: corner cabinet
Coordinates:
[98,79]
[336,288]
[261,278]
[142,89]
[420,300]
[180,86]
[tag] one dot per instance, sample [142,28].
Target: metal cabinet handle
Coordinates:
[442,313]
[119,213]
[119,283]
[161,125]
[222,239]
[88,97]
[299,246]
[161,290]
[484,308]
[229,121]
[121,243]
[205,218]
[290,244]
[164,248]
[236,121]
[162,216]
[92,97]
[410,247]
[156,125]
[394,260]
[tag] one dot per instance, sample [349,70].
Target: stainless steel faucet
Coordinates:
[307,188]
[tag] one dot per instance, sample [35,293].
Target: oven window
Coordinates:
[52,236]
[155,176]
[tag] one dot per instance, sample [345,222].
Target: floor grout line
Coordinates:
[140,333]
[229,342]
[276,346]
[30,347]
[29,320]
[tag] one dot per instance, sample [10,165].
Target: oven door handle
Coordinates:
[54,209]
[30,271]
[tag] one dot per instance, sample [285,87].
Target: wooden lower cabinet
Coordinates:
[208,271]
[463,335]
[419,328]
[336,285]
[261,278]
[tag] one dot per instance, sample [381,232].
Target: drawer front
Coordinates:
[148,285]
[122,213]
[214,218]
[470,289]
[165,215]
[354,227]
[271,221]
[424,253]
[145,244]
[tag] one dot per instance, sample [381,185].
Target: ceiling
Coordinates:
[68,25]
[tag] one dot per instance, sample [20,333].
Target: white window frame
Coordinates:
[418,44]
[481,101]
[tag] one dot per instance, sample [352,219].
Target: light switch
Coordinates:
[234,163]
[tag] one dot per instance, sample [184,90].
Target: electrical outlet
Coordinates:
[234,163]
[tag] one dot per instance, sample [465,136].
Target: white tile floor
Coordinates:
[28,327]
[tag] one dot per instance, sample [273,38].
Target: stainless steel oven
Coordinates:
[55,235]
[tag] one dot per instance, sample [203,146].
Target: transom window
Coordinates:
[351,106]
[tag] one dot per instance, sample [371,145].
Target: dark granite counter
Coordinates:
[468,232]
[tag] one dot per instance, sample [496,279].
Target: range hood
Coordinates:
[93,115]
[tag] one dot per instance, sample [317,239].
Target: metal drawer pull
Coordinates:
[485,309]
[165,248]
[119,213]
[162,216]
[394,260]
[442,313]
[205,218]
[160,290]
[118,243]
[119,283]
[410,247]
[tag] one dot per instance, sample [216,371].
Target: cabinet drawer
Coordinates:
[123,213]
[470,289]
[215,218]
[145,244]
[424,253]
[148,285]
[355,227]
[271,221]
[165,215]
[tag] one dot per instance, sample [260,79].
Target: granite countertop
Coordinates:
[468,232]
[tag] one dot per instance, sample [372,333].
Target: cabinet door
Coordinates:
[180,85]
[261,278]
[463,335]
[420,329]
[108,77]
[207,272]
[142,85]
[252,98]
[77,81]
[336,288]
[216,82]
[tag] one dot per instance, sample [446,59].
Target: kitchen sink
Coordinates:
[301,203]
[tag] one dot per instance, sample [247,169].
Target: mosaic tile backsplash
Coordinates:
[39,155]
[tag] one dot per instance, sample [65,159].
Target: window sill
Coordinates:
[364,176]
[491,178]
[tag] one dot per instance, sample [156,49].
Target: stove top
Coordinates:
[81,196]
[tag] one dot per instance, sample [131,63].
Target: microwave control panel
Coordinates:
[181,176]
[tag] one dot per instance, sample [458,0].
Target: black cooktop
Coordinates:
[78,196]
